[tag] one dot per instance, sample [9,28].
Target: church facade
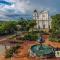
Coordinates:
[43,20]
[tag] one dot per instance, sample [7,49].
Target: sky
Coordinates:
[14,8]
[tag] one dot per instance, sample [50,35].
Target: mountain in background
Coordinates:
[7,17]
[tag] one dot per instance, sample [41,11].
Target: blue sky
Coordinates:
[17,7]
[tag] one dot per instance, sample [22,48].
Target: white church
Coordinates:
[43,20]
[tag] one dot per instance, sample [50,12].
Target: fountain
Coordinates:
[41,50]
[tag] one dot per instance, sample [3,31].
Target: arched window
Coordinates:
[49,26]
[44,26]
[38,26]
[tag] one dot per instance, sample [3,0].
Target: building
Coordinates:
[43,20]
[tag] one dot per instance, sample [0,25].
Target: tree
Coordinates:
[27,24]
[56,24]
[2,29]
[10,26]
[32,24]
[7,27]
[23,24]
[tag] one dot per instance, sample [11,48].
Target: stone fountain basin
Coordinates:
[43,50]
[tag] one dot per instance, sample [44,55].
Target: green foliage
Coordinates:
[55,36]
[7,27]
[32,23]
[27,24]
[56,23]
[12,50]
[54,39]
[43,32]
[31,37]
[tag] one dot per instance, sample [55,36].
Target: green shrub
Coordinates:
[30,37]
[35,32]
[12,50]
[44,33]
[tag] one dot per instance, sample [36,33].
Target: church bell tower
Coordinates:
[35,15]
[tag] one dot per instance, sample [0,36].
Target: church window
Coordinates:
[49,26]
[43,26]
[38,26]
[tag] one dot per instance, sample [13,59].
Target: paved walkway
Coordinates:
[23,55]
[54,44]
[23,51]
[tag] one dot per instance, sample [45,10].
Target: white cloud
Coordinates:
[18,6]
[10,0]
[22,5]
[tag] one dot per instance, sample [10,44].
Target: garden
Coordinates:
[55,31]
[24,31]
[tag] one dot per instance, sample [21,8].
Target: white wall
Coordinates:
[43,19]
